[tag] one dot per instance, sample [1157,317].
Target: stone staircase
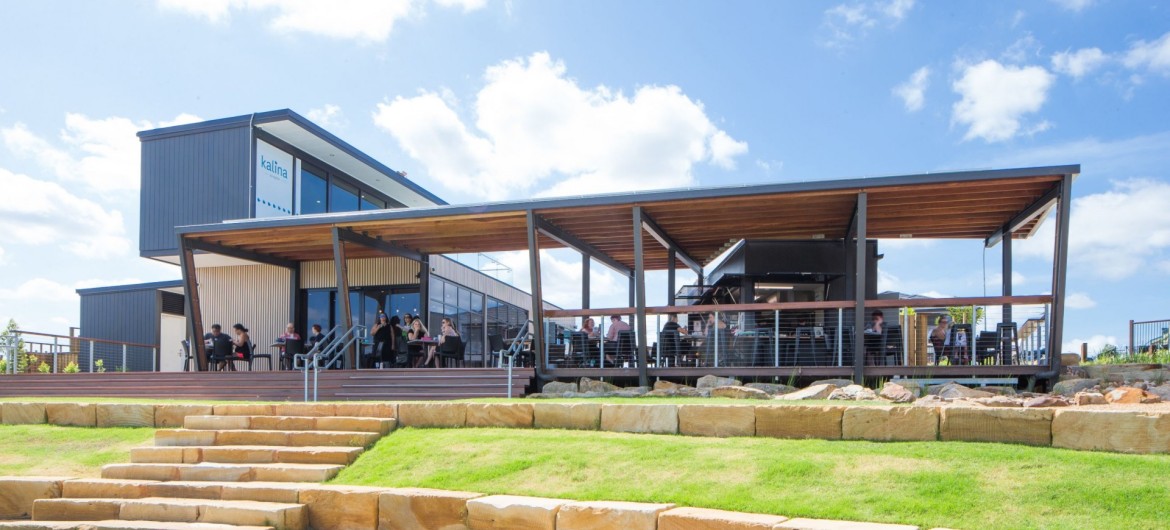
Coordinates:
[216,473]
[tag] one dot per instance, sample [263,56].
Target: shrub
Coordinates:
[72,368]
[99,366]
[44,367]
[3,366]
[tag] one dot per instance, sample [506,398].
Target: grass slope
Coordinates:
[931,484]
[49,450]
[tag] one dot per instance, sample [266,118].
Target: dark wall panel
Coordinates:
[124,316]
[192,179]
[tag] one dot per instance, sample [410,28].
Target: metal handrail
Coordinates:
[318,356]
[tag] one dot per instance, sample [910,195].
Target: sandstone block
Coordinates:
[327,439]
[166,455]
[183,437]
[278,516]
[141,471]
[316,410]
[218,422]
[381,426]
[171,510]
[22,413]
[1032,426]
[890,423]
[72,414]
[825,524]
[187,490]
[244,409]
[512,415]
[101,488]
[277,423]
[822,422]
[1108,430]
[18,493]
[173,415]
[582,416]
[294,472]
[604,515]
[368,410]
[432,414]
[262,492]
[342,507]
[423,509]
[125,415]
[716,420]
[705,519]
[659,419]
[511,512]
[76,509]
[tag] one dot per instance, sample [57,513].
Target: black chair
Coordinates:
[1007,342]
[188,359]
[451,351]
[579,350]
[669,347]
[761,352]
[805,349]
[495,347]
[249,355]
[267,357]
[625,347]
[892,345]
[221,353]
[292,347]
[960,353]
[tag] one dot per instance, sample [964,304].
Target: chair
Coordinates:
[188,359]
[892,345]
[495,347]
[624,349]
[669,347]
[761,348]
[805,351]
[451,351]
[401,354]
[221,352]
[291,348]
[1006,342]
[579,350]
[252,358]
[249,354]
[959,352]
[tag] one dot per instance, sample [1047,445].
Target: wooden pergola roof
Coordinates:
[701,222]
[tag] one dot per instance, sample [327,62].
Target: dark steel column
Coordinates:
[424,289]
[537,313]
[342,269]
[1007,273]
[1059,269]
[640,298]
[194,310]
[633,287]
[294,291]
[670,288]
[585,262]
[859,293]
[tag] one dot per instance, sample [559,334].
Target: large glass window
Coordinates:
[370,202]
[313,191]
[342,198]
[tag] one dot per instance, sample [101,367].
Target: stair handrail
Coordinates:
[517,346]
[325,352]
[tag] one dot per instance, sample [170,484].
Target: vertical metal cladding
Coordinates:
[363,272]
[123,316]
[253,295]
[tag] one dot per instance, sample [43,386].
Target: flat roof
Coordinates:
[151,286]
[299,132]
[703,222]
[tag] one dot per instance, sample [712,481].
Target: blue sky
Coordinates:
[486,99]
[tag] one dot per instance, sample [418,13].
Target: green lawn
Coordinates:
[931,484]
[66,451]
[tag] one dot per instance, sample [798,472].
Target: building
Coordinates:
[279,165]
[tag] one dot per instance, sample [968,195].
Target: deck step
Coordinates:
[121,525]
[190,437]
[280,516]
[381,426]
[223,472]
[245,454]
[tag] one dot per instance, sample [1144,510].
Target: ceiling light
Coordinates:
[906,236]
[775,286]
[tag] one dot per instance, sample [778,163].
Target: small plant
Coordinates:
[3,366]
[44,368]
[71,368]
[99,366]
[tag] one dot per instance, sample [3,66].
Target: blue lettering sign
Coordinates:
[274,167]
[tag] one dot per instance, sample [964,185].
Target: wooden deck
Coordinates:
[335,385]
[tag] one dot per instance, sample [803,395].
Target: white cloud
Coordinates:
[1153,56]
[1115,233]
[995,98]
[1022,50]
[361,20]
[770,166]
[897,9]
[37,212]
[1096,344]
[1079,301]
[327,116]
[534,130]
[913,91]
[39,289]
[3,257]
[100,154]
[995,280]
[1079,63]
[1074,5]
[845,23]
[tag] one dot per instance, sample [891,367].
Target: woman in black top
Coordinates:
[384,334]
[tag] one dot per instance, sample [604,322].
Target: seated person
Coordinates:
[589,328]
[418,332]
[315,338]
[939,338]
[615,325]
[242,343]
[290,333]
[447,330]
[673,325]
[217,336]
[875,325]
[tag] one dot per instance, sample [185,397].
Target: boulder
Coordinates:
[913,386]
[996,401]
[739,392]
[512,512]
[632,391]
[956,391]
[711,381]
[853,393]
[1089,398]
[557,387]
[1069,387]
[772,388]
[1111,430]
[896,393]
[1162,391]
[513,415]
[582,416]
[1000,390]
[716,420]
[1070,359]
[1045,401]
[663,384]
[1127,395]
[822,391]
[822,422]
[593,385]
[423,509]
[610,514]
[839,383]
[658,419]
[930,401]
[669,389]
[890,423]
[1010,425]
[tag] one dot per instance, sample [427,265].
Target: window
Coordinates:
[370,202]
[313,191]
[342,198]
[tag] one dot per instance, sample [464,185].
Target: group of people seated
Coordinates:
[224,350]
[393,340]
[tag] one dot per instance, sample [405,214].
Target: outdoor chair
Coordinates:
[669,348]
[401,353]
[805,347]
[495,349]
[221,352]
[451,351]
[1007,342]
[249,355]
[291,348]
[625,347]
[580,354]
[891,352]
[266,357]
[188,359]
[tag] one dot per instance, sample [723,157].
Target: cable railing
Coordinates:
[23,351]
[1149,337]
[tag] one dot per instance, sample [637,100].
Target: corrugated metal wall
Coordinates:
[192,179]
[459,273]
[253,295]
[363,272]
[123,316]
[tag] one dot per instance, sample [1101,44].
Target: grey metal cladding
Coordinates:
[124,316]
[195,178]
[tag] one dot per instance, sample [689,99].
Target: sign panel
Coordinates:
[274,183]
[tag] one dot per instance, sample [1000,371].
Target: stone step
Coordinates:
[381,426]
[214,472]
[280,516]
[191,437]
[105,488]
[120,525]
[245,454]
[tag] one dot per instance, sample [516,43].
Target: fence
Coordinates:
[1149,336]
[33,352]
